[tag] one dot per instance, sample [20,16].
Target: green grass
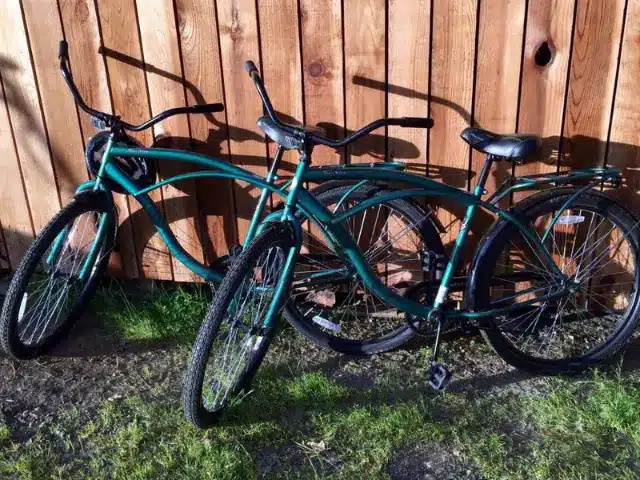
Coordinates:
[167,314]
[303,424]
[585,429]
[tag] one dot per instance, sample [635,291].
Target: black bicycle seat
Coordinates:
[290,140]
[512,147]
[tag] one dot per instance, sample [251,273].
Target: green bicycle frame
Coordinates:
[343,242]
[298,199]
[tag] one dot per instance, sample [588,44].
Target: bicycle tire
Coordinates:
[478,291]
[278,235]
[9,318]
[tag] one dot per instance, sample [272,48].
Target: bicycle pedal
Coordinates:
[439,376]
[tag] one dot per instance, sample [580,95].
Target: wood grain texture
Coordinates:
[281,66]
[65,136]
[624,147]
[22,97]
[342,63]
[80,22]
[160,48]
[130,101]
[407,96]
[82,32]
[409,79]
[596,42]
[501,29]
[14,209]
[203,79]
[542,88]
[454,32]
[237,21]
[323,71]
[364,50]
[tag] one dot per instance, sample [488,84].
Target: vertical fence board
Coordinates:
[454,36]
[624,146]
[596,41]
[323,71]
[80,22]
[409,79]
[160,48]
[130,100]
[203,80]
[542,88]
[81,28]
[365,58]
[238,27]
[65,137]
[14,210]
[21,94]
[501,28]
[280,46]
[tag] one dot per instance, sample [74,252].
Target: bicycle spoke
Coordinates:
[591,253]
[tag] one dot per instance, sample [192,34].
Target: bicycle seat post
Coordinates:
[439,375]
[483,175]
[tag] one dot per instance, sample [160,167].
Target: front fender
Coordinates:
[292,220]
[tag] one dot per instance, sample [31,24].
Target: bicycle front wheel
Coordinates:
[594,242]
[233,339]
[49,290]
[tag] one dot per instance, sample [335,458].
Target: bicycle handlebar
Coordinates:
[108,119]
[251,69]
[63,55]
[409,122]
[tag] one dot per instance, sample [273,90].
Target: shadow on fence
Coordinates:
[555,152]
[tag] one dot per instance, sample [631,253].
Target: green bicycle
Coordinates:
[553,285]
[60,271]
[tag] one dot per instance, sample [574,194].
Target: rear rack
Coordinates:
[611,177]
[384,165]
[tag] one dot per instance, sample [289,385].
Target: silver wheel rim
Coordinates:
[240,335]
[390,243]
[593,252]
[52,289]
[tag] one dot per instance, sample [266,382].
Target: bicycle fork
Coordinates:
[287,216]
[57,247]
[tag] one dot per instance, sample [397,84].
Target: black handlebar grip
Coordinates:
[417,122]
[207,108]
[250,67]
[63,49]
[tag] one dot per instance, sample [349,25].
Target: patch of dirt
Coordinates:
[419,462]
[91,367]
[291,459]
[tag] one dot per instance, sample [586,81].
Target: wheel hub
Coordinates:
[572,284]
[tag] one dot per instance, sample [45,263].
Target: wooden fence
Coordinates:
[566,70]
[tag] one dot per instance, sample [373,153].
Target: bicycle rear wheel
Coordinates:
[47,294]
[232,340]
[338,311]
[595,243]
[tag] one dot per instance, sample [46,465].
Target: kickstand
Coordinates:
[439,375]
